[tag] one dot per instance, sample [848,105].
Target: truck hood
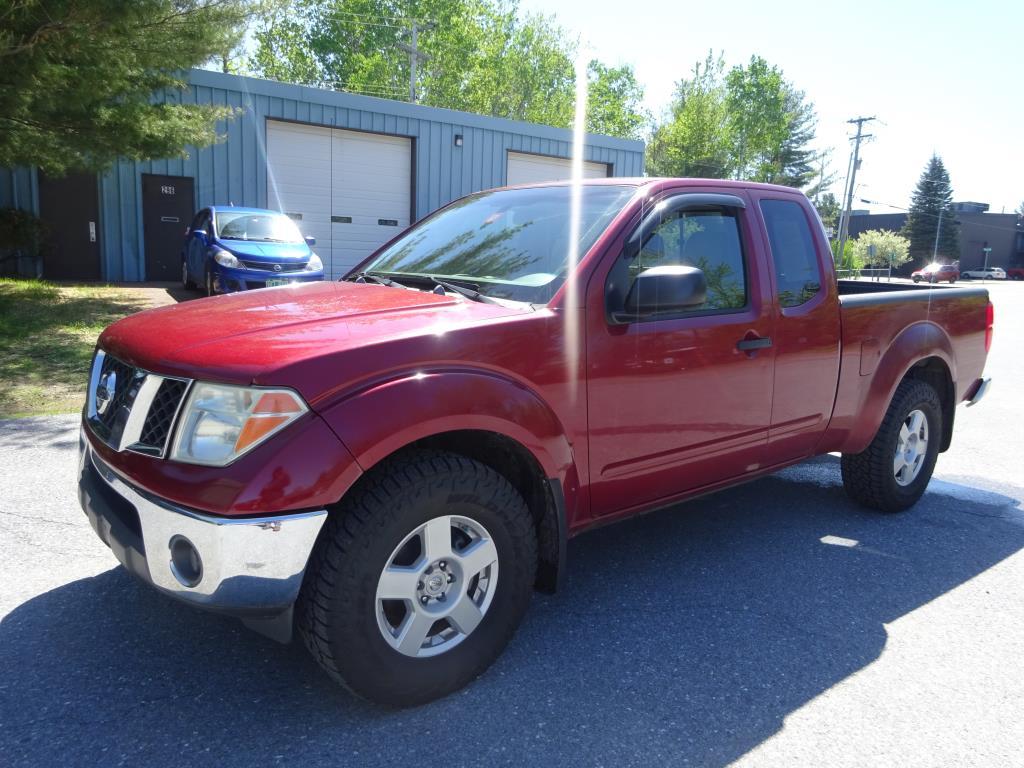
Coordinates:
[250,337]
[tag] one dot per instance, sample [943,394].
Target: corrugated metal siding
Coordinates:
[18,189]
[235,170]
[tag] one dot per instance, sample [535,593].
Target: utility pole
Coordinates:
[415,55]
[854,164]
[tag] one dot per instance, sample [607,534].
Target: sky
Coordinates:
[943,77]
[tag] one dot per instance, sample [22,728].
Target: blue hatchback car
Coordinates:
[230,249]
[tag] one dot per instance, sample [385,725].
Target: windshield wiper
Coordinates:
[469,293]
[370,277]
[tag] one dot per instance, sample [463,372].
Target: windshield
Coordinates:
[510,243]
[264,227]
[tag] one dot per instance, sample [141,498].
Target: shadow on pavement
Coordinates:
[687,635]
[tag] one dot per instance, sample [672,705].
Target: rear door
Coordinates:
[807,330]
[674,403]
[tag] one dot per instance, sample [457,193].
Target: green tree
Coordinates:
[484,56]
[748,123]
[614,101]
[78,78]
[694,139]
[828,209]
[890,248]
[931,214]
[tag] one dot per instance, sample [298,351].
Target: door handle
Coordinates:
[750,344]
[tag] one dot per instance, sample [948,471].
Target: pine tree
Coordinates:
[86,81]
[932,197]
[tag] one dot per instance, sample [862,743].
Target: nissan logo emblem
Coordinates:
[105,392]
[277,267]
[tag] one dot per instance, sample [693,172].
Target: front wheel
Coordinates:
[186,280]
[210,290]
[891,474]
[419,578]
[916,279]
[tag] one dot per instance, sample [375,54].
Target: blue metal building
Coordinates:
[349,168]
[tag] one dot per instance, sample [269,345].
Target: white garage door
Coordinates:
[352,190]
[530,169]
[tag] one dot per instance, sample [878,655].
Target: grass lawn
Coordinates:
[47,334]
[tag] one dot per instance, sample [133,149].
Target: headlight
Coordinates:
[314,263]
[220,422]
[225,259]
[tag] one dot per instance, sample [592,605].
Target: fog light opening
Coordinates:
[186,565]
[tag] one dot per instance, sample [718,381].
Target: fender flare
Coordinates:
[917,342]
[385,417]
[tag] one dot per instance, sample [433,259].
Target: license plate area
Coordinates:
[272,281]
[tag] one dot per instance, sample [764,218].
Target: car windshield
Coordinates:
[511,243]
[267,227]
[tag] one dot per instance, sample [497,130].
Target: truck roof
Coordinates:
[640,181]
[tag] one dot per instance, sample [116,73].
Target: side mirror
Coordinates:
[666,289]
[310,241]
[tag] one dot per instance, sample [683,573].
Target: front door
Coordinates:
[674,404]
[69,208]
[167,207]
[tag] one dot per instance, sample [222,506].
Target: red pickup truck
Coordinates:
[391,463]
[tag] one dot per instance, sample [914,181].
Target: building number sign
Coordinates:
[166,189]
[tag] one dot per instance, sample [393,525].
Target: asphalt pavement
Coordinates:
[774,624]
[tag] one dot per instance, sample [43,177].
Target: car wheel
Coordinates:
[186,281]
[209,283]
[966,277]
[891,474]
[916,279]
[419,579]
[952,280]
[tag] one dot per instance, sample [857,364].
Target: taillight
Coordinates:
[990,319]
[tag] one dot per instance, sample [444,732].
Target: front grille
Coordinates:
[160,418]
[264,267]
[129,408]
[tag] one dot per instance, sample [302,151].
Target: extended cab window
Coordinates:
[797,274]
[706,239]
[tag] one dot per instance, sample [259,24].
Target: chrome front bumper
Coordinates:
[250,567]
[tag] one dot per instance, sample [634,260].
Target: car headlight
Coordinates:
[225,259]
[314,263]
[221,422]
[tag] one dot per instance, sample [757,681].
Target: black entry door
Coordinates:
[70,209]
[167,207]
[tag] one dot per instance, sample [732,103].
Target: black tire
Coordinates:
[186,281]
[916,279]
[868,476]
[208,281]
[337,611]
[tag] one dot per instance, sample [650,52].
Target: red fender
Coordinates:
[853,427]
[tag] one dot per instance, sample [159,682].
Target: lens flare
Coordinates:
[572,304]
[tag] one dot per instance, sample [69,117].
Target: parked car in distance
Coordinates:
[390,464]
[1015,273]
[229,249]
[936,273]
[991,273]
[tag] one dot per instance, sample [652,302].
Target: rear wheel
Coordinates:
[916,279]
[419,579]
[891,474]
[186,280]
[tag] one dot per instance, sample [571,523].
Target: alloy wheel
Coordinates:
[911,448]
[436,586]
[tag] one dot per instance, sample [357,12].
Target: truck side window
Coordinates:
[797,274]
[706,239]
